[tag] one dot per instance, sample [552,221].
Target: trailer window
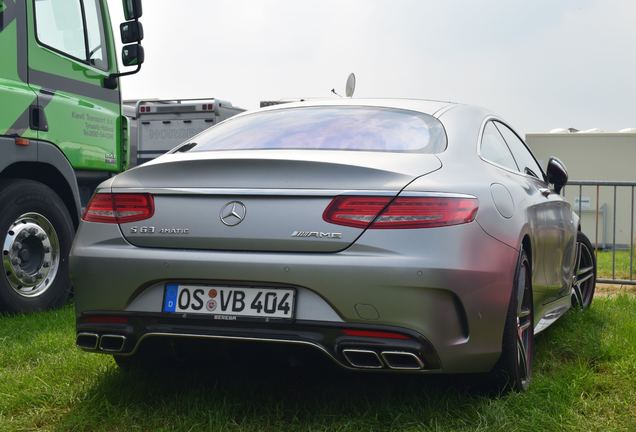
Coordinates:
[362,128]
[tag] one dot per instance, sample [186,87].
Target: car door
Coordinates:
[69,57]
[558,234]
[526,189]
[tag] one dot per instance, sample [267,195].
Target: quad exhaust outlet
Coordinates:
[369,359]
[108,343]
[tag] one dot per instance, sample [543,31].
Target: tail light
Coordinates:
[402,212]
[119,208]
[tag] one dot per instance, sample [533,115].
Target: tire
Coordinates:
[513,371]
[584,278]
[36,232]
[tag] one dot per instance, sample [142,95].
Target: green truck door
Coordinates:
[15,93]
[70,54]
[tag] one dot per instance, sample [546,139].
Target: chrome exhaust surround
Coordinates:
[402,360]
[112,343]
[364,359]
[87,341]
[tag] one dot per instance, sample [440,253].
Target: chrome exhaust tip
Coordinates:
[402,360]
[87,341]
[112,343]
[364,359]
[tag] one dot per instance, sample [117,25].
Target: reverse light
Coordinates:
[402,212]
[119,208]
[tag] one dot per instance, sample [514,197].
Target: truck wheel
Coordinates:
[36,232]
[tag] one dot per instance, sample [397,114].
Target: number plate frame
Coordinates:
[228,315]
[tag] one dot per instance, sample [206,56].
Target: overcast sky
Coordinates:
[541,64]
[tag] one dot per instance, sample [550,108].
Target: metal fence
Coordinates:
[603,205]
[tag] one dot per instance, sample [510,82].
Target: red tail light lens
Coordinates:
[119,208]
[354,211]
[403,212]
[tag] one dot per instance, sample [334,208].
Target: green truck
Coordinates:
[62,132]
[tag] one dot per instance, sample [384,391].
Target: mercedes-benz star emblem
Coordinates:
[233,213]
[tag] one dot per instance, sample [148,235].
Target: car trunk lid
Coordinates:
[265,200]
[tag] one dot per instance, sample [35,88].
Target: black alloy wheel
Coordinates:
[584,277]
[514,368]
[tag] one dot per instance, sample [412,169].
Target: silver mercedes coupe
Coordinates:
[389,235]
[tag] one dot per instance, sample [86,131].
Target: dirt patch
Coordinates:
[604,290]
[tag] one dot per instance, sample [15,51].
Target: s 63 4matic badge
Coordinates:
[155,230]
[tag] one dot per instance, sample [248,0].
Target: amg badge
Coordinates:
[317,234]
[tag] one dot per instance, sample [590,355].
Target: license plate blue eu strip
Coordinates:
[170,300]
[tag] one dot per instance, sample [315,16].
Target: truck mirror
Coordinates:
[131,31]
[132,55]
[132,9]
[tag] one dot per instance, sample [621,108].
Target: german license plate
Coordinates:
[229,301]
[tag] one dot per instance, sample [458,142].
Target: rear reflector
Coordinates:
[402,212]
[119,208]
[374,334]
[103,319]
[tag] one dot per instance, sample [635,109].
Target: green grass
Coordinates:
[585,379]
[621,269]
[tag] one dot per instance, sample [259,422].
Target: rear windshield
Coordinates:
[328,128]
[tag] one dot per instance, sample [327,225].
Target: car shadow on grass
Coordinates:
[268,388]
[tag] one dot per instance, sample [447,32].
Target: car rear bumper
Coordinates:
[451,301]
[123,334]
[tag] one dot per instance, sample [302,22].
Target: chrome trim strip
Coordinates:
[405,354]
[236,338]
[479,139]
[282,341]
[555,311]
[345,353]
[256,191]
[287,192]
[435,194]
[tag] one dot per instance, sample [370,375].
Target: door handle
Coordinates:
[545,192]
[37,119]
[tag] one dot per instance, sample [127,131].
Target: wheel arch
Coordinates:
[526,245]
[45,163]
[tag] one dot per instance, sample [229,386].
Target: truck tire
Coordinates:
[36,232]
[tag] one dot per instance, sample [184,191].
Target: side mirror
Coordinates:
[557,174]
[132,9]
[131,31]
[132,55]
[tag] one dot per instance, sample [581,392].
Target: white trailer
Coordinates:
[157,126]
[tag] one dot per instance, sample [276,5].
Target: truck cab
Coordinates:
[62,132]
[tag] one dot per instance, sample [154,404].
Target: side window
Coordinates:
[494,149]
[525,160]
[60,26]
[95,30]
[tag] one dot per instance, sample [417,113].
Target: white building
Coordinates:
[598,156]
